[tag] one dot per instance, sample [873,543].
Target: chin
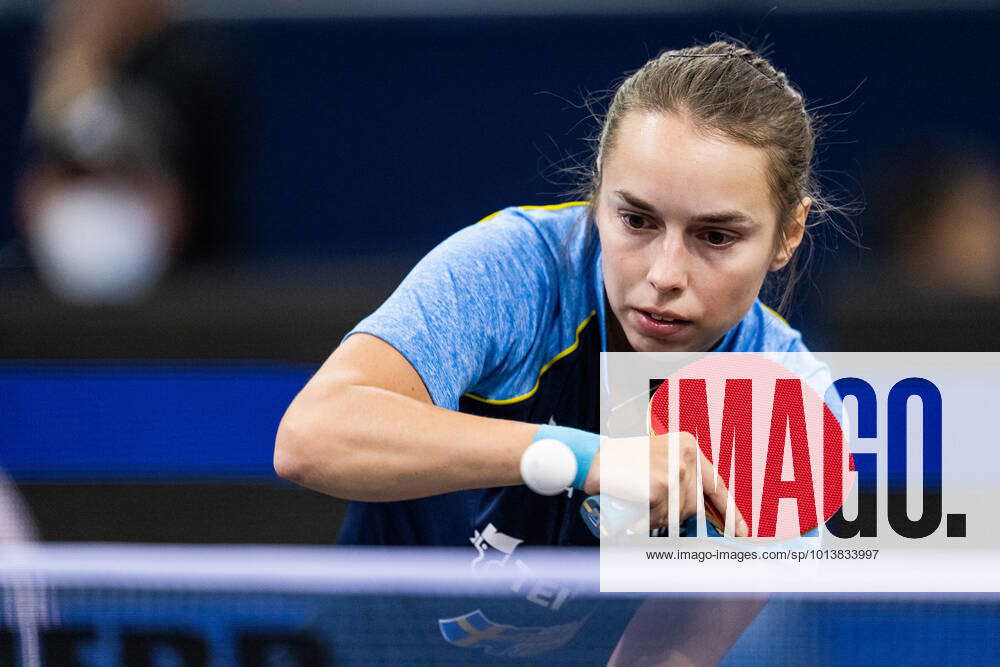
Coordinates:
[646,344]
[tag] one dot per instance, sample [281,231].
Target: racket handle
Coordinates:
[617,515]
[621,514]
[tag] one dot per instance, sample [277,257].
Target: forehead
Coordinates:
[663,159]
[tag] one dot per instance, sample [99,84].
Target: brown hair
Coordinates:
[727,89]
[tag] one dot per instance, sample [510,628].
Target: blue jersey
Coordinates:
[506,319]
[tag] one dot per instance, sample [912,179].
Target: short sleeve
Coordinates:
[471,308]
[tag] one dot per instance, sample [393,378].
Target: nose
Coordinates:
[669,264]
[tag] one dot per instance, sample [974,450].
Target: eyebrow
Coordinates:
[715,217]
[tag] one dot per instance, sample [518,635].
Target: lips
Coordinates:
[664,316]
[659,324]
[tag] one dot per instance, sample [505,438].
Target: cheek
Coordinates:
[617,260]
[733,285]
[624,271]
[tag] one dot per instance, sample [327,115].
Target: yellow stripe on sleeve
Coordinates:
[776,314]
[523,397]
[546,207]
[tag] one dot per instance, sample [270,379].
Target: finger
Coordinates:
[659,515]
[718,499]
[689,492]
[714,518]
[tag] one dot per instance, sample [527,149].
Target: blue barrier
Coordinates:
[141,421]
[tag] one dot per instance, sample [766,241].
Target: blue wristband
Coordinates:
[583,444]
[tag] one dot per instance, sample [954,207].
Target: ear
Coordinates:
[793,237]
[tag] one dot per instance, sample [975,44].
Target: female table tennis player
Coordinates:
[701,190]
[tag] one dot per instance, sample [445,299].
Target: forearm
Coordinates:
[365,443]
[685,631]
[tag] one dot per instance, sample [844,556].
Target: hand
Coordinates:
[623,484]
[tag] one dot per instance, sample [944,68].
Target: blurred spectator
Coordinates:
[934,273]
[944,218]
[129,131]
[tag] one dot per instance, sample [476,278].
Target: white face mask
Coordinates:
[99,242]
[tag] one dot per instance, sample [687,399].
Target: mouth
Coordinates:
[660,324]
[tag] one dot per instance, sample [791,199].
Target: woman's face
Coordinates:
[688,232]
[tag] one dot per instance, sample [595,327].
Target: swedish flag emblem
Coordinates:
[475,630]
[470,629]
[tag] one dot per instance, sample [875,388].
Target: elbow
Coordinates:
[306,444]
[321,444]
[291,445]
[308,448]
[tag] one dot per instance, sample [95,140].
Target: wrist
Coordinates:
[583,444]
[592,484]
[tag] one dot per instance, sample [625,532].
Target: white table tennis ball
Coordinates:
[548,466]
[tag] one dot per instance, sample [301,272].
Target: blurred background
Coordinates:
[198,199]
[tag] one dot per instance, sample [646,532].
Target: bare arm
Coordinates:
[364,428]
[685,632]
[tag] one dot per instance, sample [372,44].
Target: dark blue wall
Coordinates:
[143,421]
[389,135]
[386,135]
